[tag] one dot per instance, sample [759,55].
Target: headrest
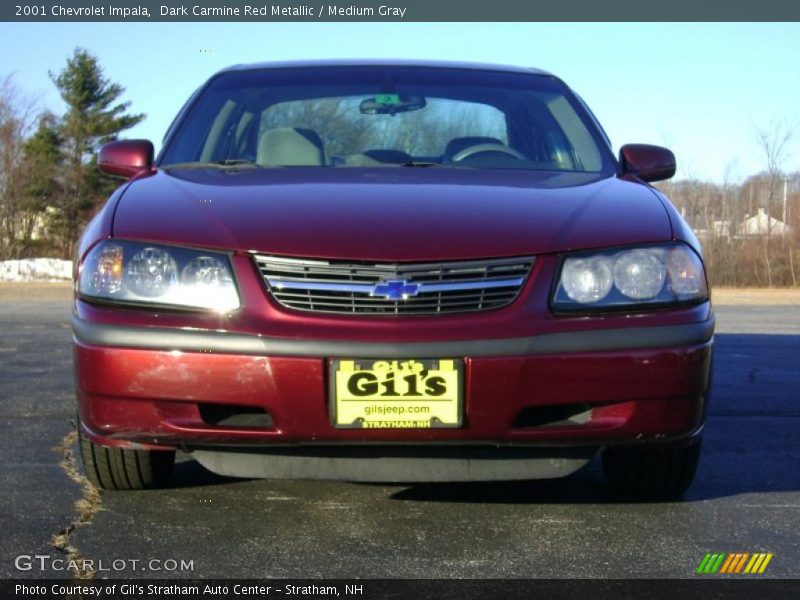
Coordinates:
[290,147]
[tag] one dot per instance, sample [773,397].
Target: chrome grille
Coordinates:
[394,289]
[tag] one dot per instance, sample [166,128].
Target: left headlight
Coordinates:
[652,275]
[140,273]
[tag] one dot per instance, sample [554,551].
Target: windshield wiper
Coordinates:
[222,164]
[420,164]
[229,162]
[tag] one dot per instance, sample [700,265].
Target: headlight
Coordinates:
[654,275]
[138,273]
[640,274]
[151,272]
[587,280]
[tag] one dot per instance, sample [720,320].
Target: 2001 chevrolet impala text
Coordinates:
[390,272]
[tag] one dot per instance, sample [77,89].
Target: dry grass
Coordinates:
[35,291]
[86,507]
[755,296]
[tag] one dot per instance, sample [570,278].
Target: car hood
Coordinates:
[389,213]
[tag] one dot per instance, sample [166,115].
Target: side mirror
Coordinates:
[126,158]
[648,163]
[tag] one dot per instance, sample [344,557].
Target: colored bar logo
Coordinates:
[734,563]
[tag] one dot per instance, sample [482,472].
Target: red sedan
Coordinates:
[390,272]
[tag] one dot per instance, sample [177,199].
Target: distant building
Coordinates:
[762,224]
[758,224]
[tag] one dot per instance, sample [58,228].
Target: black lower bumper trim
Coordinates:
[221,342]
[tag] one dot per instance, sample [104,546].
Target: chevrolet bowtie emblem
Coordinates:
[395,289]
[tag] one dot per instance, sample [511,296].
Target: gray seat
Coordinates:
[289,147]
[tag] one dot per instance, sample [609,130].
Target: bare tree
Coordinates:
[17,118]
[774,141]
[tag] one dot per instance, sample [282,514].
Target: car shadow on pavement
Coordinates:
[751,443]
[190,473]
[585,486]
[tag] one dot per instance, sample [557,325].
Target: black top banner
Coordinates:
[398,10]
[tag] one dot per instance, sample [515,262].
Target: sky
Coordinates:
[701,89]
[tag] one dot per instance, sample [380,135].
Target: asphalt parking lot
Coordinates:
[746,497]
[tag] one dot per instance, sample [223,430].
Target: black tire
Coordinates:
[122,469]
[652,471]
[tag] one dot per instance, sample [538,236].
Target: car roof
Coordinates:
[430,64]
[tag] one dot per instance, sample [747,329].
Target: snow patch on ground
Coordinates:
[36,269]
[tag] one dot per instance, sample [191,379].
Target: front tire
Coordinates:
[652,471]
[122,469]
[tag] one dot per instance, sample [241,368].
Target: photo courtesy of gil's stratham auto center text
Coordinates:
[399,299]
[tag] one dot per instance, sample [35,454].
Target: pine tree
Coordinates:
[42,162]
[94,116]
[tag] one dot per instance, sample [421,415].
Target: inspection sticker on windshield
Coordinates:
[387,99]
[396,394]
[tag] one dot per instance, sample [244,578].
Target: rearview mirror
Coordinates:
[648,163]
[391,104]
[126,158]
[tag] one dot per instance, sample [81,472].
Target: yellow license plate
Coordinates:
[396,394]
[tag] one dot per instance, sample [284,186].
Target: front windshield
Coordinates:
[387,116]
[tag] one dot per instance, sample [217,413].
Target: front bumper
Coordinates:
[152,388]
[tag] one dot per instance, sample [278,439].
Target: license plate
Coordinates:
[396,394]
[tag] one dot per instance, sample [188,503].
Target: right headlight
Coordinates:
[152,274]
[630,277]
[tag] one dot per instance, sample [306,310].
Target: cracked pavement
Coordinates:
[746,496]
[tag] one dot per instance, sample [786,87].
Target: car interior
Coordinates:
[340,127]
[303,147]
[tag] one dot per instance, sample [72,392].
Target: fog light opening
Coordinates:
[225,415]
[557,415]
